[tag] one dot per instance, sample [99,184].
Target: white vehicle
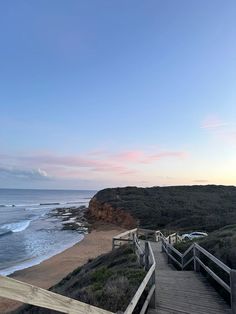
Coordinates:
[194,235]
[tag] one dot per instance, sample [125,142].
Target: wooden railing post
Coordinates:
[146,256]
[162,245]
[153,299]
[168,255]
[141,255]
[196,254]
[133,239]
[154,236]
[233,290]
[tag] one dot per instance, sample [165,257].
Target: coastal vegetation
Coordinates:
[178,208]
[109,282]
[221,243]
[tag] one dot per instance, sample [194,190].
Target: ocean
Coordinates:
[28,233]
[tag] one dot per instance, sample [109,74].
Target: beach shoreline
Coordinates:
[51,271]
[71,219]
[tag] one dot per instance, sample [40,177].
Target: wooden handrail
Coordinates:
[188,250]
[200,249]
[30,294]
[144,257]
[213,258]
[188,262]
[214,276]
[150,275]
[140,290]
[127,236]
[126,233]
[148,299]
[194,257]
[175,250]
[26,293]
[197,249]
[147,230]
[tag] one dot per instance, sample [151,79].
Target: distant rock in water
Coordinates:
[199,207]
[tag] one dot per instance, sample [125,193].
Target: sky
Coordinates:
[97,94]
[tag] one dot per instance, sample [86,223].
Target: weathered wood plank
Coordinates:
[126,233]
[122,240]
[188,250]
[184,291]
[213,275]
[148,299]
[213,258]
[26,293]
[140,290]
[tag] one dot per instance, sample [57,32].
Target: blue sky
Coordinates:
[107,93]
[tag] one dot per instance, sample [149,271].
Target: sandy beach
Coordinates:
[51,271]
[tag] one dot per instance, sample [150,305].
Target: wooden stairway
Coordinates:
[183,292]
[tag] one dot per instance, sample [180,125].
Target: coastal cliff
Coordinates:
[207,208]
[103,211]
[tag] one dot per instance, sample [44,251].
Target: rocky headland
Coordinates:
[181,208]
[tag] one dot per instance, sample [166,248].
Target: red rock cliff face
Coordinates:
[105,212]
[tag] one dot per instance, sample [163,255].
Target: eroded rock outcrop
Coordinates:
[105,212]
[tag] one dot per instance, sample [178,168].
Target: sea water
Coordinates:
[28,233]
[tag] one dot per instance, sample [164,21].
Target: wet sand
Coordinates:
[51,271]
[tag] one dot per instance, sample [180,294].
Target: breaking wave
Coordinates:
[14,227]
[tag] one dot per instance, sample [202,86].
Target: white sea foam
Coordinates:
[16,226]
[37,260]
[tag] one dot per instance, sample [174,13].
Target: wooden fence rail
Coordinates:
[29,294]
[26,293]
[194,254]
[148,282]
[147,260]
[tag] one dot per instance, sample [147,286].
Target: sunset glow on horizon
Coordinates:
[99,94]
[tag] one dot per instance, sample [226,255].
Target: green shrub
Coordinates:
[108,281]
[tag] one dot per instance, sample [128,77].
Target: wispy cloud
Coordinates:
[223,131]
[165,155]
[149,157]
[31,174]
[124,163]
[213,123]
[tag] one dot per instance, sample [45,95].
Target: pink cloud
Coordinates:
[126,163]
[147,157]
[212,123]
[223,131]
[130,156]
[165,155]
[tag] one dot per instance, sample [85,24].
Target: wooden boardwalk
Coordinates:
[176,292]
[183,292]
